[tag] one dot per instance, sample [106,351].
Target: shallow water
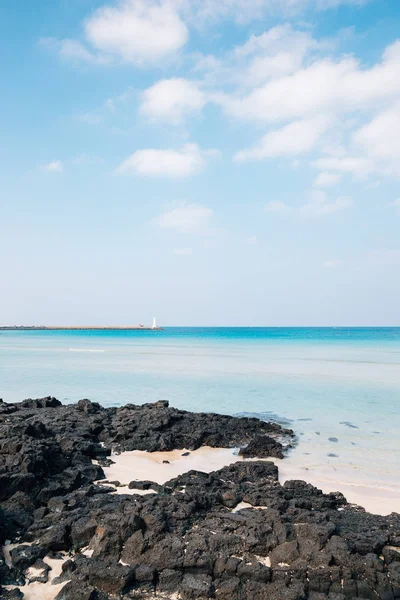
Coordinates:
[339,389]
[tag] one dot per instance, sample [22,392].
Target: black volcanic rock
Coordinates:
[48,402]
[289,542]
[263,446]
[10,594]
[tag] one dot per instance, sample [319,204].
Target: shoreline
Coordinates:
[140,465]
[374,498]
[106,494]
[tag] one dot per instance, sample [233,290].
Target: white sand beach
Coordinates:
[138,465]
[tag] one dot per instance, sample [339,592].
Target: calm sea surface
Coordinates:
[339,389]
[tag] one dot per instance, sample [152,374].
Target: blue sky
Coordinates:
[213,162]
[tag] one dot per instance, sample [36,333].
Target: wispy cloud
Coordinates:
[341,102]
[293,139]
[327,179]
[185,218]
[358,166]
[244,11]
[152,162]
[73,51]
[55,166]
[319,205]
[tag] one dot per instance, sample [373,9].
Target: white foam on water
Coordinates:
[85,350]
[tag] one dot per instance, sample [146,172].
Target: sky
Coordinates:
[207,162]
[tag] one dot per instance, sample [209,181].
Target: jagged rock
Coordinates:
[145,485]
[262,446]
[88,407]
[15,594]
[169,580]
[289,542]
[48,402]
[77,591]
[103,575]
[37,572]
[24,556]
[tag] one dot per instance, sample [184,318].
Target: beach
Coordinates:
[312,453]
[337,388]
[160,467]
[151,501]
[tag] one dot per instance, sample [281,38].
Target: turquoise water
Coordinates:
[326,383]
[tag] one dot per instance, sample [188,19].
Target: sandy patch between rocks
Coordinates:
[36,590]
[150,466]
[375,498]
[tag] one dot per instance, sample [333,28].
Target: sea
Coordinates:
[337,388]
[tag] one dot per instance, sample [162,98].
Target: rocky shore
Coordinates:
[233,534]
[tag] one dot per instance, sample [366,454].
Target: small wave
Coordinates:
[85,350]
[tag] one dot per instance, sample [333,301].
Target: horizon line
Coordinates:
[158,328]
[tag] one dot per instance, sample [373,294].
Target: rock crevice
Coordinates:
[191,539]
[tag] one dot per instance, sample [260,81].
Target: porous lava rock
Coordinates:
[190,540]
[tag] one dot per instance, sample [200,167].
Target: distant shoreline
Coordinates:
[77,328]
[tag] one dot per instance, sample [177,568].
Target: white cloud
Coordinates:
[331,264]
[73,50]
[137,31]
[54,166]
[274,40]
[140,32]
[244,11]
[326,86]
[147,31]
[350,164]
[373,149]
[276,52]
[276,206]
[319,205]
[325,4]
[285,76]
[187,161]
[327,179]
[380,139]
[171,100]
[185,218]
[295,138]
[239,10]
[183,251]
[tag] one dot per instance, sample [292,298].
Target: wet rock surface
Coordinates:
[185,541]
